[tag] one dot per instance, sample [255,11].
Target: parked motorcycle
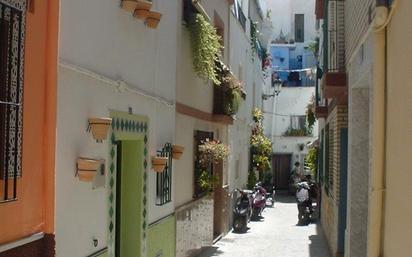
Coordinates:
[270,196]
[242,211]
[259,201]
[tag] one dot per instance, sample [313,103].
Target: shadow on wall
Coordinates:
[318,246]
[210,251]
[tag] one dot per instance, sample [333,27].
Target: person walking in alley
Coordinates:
[304,203]
[295,178]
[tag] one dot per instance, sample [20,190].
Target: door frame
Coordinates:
[126,126]
[275,177]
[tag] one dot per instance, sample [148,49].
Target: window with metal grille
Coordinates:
[164,179]
[200,136]
[12,26]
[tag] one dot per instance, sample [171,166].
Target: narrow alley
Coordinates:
[277,235]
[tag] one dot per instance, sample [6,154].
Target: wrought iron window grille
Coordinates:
[12,31]
[164,179]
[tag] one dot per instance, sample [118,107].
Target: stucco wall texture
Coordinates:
[161,238]
[398,211]
[33,212]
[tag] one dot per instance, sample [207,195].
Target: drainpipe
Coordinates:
[376,223]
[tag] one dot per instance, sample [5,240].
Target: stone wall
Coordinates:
[194,227]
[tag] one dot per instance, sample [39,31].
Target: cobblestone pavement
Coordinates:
[275,236]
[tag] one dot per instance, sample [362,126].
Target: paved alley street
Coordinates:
[275,236]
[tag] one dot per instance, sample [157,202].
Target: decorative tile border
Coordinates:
[126,127]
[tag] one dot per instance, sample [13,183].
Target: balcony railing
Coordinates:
[11,93]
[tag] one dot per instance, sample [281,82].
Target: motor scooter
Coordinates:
[242,211]
[259,201]
[270,196]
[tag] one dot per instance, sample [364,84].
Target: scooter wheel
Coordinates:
[239,225]
[255,214]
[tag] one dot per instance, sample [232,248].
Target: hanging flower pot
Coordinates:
[153,19]
[129,5]
[142,9]
[87,169]
[159,163]
[177,151]
[99,128]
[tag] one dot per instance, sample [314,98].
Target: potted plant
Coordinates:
[142,9]
[159,163]
[129,5]
[212,151]
[177,151]
[153,19]
[99,128]
[206,48]
[86,169]
[207,181]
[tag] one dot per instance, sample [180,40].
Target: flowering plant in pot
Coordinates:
[212,151]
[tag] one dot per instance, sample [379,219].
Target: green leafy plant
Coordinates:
[310,114]
[301,132]
[232,88]
[207,181]
[257,115]
[251,180]
[233,102]
[261,145]
[212,151]
[311,160]
[206,47]
[313,46]
[254,35]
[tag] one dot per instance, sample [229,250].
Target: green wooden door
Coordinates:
[128,198]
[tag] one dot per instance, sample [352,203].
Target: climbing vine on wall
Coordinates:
[261,145]
[206,47]
[310,114]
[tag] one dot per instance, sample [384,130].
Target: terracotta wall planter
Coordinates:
[153,19]
[99,128]
[142,9]
[129,5]
[87,169]
[177,151]
[159,163]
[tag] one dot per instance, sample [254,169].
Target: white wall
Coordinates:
[283,16]
[99,36]
[290,101]
[81,211]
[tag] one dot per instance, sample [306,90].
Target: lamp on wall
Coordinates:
[277,86]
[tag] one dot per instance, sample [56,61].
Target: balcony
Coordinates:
[321,112]
[334,84]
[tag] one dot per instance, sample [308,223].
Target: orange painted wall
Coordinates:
[34,210]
